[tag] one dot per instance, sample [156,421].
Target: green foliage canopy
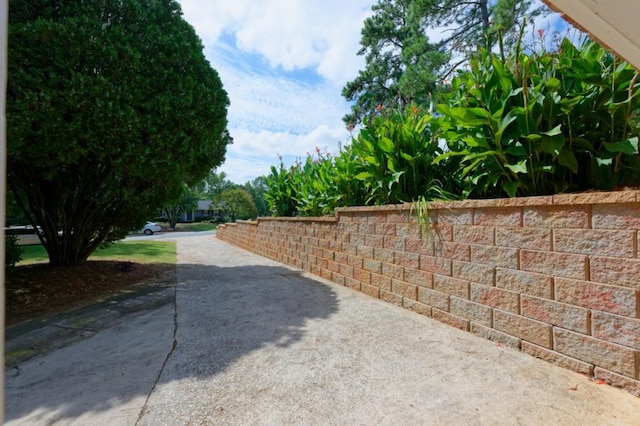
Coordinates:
[404,66]
[237,203]
[111,106]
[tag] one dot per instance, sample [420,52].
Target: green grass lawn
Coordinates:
[132,251]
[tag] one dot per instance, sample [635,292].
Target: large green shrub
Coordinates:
[543,123]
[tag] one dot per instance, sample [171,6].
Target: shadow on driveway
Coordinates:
[223,314]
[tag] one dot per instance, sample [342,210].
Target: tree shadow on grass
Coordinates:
[220,315]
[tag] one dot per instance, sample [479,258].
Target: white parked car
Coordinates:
[150,228]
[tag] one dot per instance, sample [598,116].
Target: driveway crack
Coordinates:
[166,360]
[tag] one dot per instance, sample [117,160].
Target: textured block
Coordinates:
[474,234]
[393,271]
[417,307]
[505,257]
[455,217]
[355,261]
[556,217]
[349,248]
[556,264]
[524,328]
[556,313]
[364,252]
[393,243]
[630,385]
[371,265]
[597,352]
[352,284]
[616,216]
[407,260]
[616,271]
[390,297]
[450,319]
[616,300]
[367,228]
[375,241]
[381,281]
[418,277]
[456,251]
[472,311]
[370,290]
[362,275]
[499,216]
[482,274]
[616,329]
[452,286]
[341,258]
[525,282]
[384,255]
[433,298]
[495,336]
[441,232]
[527,238]
[385,229]
[419,246]
[595,242]
[337,278]
[346,270]
[404,289]
[557,358]
[495,297]
[435,265]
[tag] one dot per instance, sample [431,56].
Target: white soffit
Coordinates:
[613,23]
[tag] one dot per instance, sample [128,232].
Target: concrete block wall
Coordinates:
[557,277]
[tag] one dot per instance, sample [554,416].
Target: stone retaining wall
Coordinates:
[557,277]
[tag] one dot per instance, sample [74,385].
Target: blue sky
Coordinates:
[283,64]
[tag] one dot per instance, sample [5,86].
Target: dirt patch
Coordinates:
[34,291]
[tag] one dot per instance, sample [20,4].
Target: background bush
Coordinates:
[12,251]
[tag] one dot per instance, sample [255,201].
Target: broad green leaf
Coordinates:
[364,175]
[553,83]
[520,167]
[386,144]
[552,144]
[555,131]
[510,188]
[627,146]
[567,159]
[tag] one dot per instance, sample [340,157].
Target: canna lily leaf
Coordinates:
[520,167]
[555,131]
[386,144]
[567,159]
[552,144]
[363,175]
[627,146]
[510,188]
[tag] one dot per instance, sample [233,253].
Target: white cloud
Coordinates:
[291,34]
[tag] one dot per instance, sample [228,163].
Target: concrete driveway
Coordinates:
[244,340]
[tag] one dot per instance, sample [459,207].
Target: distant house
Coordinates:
[204,211]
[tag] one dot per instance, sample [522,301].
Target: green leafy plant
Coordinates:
[282,190]
[12,252]
[395,153]
[543,122]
